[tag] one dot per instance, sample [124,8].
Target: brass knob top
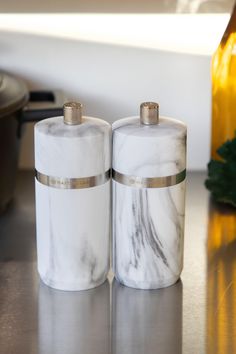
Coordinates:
[72,113]
[149,113]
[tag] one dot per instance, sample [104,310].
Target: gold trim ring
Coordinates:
[72,183]
[148,182]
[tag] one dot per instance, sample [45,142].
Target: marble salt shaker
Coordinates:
[149,169]
[72,162]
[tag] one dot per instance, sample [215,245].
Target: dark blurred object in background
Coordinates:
[16,109]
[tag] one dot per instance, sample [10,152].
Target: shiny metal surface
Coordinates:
[147,321]
[196,315]
[72,113]
[148,182]
[72,183]
[149,113]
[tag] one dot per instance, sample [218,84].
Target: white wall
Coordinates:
[111,82]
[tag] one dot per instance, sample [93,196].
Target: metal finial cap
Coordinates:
[72,113]
[149,113]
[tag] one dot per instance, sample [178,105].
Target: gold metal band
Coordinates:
[72,183]
[148,182]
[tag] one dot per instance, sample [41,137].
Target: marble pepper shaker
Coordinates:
[149,161]
[72,162]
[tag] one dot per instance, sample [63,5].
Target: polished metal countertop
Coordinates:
[195,316]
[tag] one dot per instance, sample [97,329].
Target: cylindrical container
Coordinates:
[149,161]
[72,161]
[72,322]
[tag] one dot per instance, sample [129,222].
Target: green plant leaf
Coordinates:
[221,180]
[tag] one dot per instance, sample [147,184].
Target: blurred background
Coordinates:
[113,55]
[111,6]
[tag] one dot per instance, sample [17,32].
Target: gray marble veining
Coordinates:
[73,225]
[148,223]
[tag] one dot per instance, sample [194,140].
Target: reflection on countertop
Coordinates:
[146,321]
[74,322]
[221,285]
[196,315]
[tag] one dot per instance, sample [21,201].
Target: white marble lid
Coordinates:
[149,150]
[89,127]
[165,127]
[72,151]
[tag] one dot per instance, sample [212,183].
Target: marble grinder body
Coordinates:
[72,181]
[149,168]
